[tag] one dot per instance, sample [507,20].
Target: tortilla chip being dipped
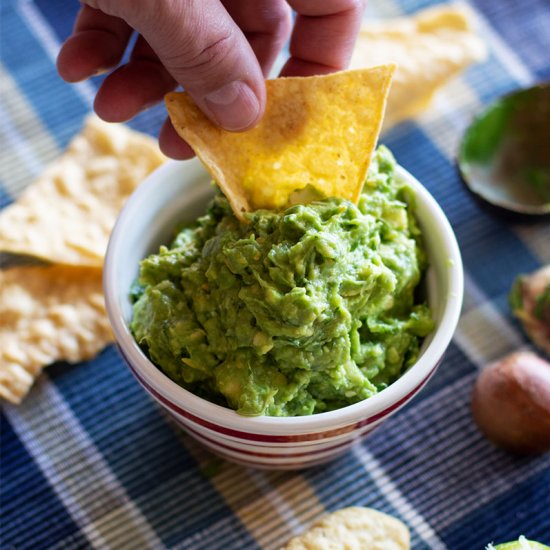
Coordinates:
[48,314]
[317,133]
[67,214]
[429,48]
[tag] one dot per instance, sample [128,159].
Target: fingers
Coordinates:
[266,26]
[133,87]
[172,145]
[204,51]
[200,46]
[323,37]
[97,43]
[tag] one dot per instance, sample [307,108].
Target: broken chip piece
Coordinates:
[317,132]
[67,214]
[48,314]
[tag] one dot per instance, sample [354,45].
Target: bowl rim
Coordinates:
[392,397]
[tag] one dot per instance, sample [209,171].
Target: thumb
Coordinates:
[204,50]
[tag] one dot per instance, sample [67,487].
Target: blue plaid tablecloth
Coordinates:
[89,461]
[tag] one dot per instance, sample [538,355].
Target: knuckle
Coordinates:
[125,9]
[283,24]
[213,53]
[346,6]
[279,18]
[356,5]
[91,3]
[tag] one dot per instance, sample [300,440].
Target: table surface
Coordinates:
[89,460]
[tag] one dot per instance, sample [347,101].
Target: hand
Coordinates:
[220,51]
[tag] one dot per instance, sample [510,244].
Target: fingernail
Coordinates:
[233,106]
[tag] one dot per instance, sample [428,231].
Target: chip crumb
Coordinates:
[48,314]
[67,214]
[353,528]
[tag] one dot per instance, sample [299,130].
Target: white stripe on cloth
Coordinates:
[16,162]
[537,239]
[78,473]
[390,491]
[26,145]
[306,506]
[381,10]
[290,524]
[483,333]
[41,29]
[473,295]
[285,511]
[220,534]
[448,114]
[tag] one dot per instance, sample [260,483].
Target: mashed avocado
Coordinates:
[296,312]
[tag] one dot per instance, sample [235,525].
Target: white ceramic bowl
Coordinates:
[179,191]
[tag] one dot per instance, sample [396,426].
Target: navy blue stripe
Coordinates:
[22,526]
[526,28]
[5,199]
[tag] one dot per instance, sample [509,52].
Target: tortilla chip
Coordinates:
[48,314]
[429,48]
[354,527]
[67,214]
[317,132]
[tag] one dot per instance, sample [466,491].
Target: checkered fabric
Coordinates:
[89,461]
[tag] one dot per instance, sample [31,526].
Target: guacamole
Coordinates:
[294,312]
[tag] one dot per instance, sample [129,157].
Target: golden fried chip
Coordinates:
[47,314]
[317,132]
[67,214]
[353,527]
[429,48]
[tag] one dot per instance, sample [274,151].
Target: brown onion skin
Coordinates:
[511,403]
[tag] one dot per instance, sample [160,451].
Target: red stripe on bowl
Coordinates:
[236,433]
[248,436]
[273,464]
[245,462]
[237,449]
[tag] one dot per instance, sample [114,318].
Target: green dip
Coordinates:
[296,312]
